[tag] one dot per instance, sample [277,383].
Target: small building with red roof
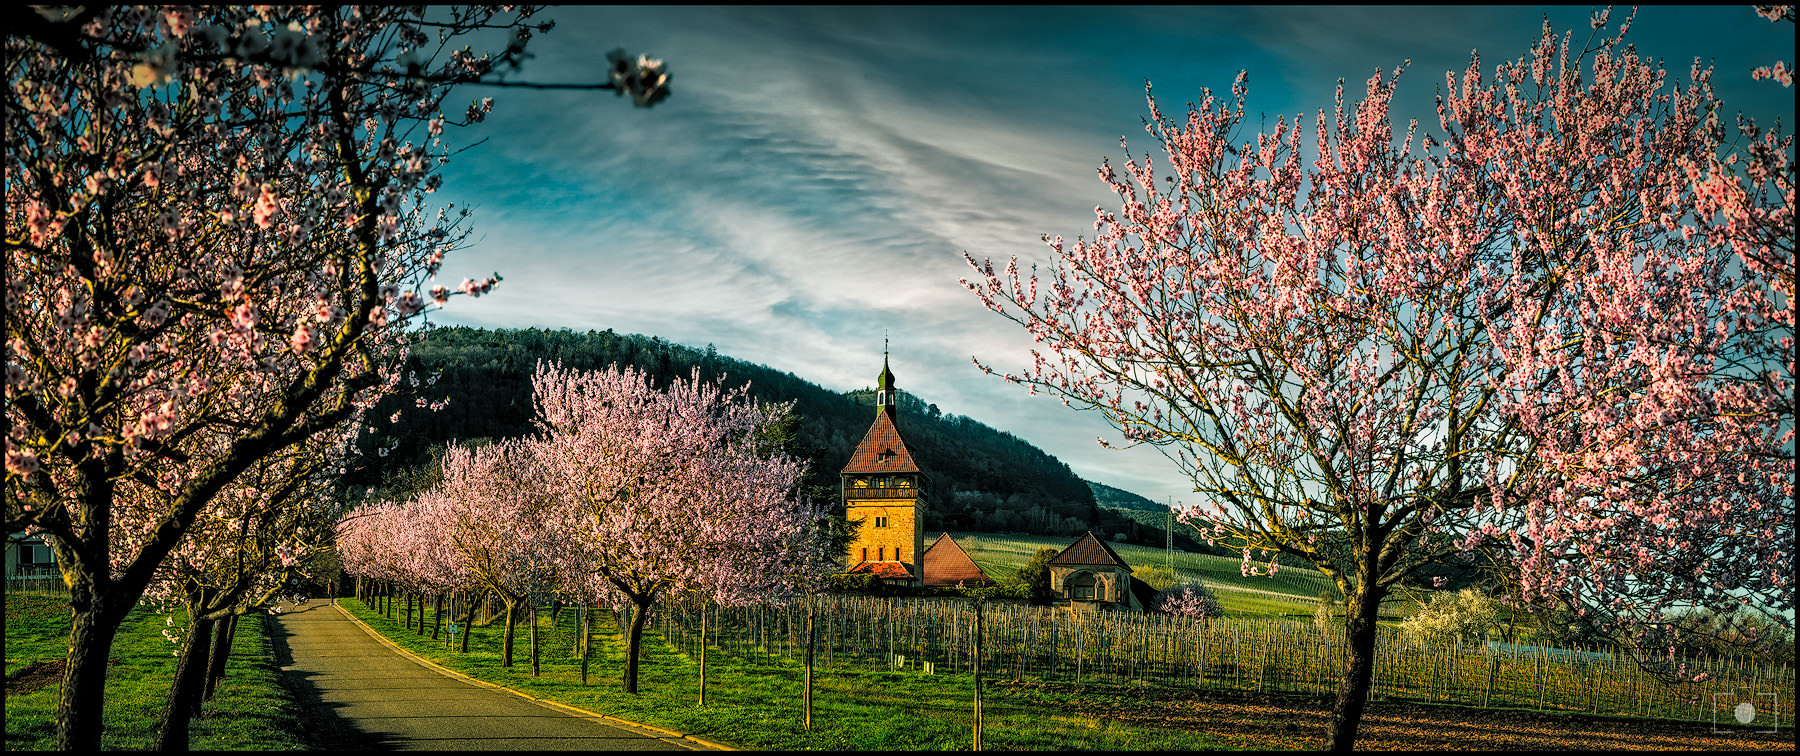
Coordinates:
[1090,576]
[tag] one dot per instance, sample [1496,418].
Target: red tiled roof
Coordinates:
[1089,550]
[884,570]
[882,449]
[945,563]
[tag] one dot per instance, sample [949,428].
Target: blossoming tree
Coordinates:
[1534,332]
[238,556]
[675,490]
[215,232]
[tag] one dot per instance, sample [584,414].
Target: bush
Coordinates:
[854,582]
[1160,578]
[1324,620]
[1466,614]
[1036,576]
[1192,600]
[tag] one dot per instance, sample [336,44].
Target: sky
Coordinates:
[812,182]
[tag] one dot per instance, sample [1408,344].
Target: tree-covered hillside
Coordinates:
[981,478]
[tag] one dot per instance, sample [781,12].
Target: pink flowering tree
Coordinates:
[1376,351]
[1191,600]
[503,526]
[675,490]
[237,557]
[216,230]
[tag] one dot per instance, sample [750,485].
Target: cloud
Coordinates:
[818,172]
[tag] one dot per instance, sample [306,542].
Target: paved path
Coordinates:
[378,698]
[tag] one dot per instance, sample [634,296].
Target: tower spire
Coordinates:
[884,384]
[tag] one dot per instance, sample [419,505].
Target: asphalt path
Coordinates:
[368,695]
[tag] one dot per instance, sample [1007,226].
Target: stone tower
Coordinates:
[884,495]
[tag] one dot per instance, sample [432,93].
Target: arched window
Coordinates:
[1083,586]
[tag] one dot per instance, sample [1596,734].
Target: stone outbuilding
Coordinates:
[1090,576]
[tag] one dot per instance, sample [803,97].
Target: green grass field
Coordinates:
[757,703]
[1291,592]
[250,711]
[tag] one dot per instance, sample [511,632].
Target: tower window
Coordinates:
[881,522]
[865,554]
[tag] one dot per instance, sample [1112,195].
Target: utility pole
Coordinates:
[1169,537]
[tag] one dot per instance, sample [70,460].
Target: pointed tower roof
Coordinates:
[945,563]
[882,449]
[1089,550]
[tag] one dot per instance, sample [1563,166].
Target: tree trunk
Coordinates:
[190,677]
[703,653]
[83,694]
[223,632]
[468,624]
[506,643]
[634,641]
[1359,666]
[531,614]
[587,629]
[437,615]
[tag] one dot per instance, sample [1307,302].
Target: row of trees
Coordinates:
[982,477]
[1555,331]
[626,494]
[217,228]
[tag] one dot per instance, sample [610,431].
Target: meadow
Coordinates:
[1290,592]
[754,699]
[250,710]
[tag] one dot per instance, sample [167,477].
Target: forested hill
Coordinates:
[981,478]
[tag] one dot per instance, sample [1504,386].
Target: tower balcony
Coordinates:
[881,493]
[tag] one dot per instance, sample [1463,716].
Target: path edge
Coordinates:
[662,733]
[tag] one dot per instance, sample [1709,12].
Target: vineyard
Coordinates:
[1026,642]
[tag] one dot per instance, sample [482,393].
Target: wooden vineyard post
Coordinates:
[977,669]
[703,653]
[807,688]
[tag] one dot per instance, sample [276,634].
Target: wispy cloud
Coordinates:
[818,172]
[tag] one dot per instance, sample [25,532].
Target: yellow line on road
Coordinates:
[670,736]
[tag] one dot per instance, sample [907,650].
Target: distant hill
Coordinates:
[982,478]
[1151,518]
[1119,498]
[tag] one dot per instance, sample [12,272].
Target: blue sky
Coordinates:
[817,173]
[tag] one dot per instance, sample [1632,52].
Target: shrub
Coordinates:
[1036,575]
[1193,600]
[1160,578]
[1466,614]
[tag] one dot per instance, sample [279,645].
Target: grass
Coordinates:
[1291,592]
[250,711]
[755,703]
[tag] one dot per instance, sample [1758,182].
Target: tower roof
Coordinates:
[882,449]
[945,563]
[1089,550]
[885,381]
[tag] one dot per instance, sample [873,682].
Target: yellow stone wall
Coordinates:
[903,531]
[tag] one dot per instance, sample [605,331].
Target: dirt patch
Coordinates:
[34,676]
[1261,722]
